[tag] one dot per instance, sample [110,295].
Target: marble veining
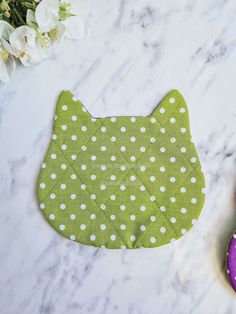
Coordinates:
[133,53]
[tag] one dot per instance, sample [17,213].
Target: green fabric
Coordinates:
[121,181]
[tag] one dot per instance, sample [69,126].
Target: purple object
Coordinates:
[231,261]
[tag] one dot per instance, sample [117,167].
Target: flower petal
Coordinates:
[47,15]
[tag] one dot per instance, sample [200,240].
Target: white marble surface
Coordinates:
[133,53]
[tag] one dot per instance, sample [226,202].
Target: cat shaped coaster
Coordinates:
[121,182]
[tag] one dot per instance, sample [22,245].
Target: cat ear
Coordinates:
[172,108]
[68,102]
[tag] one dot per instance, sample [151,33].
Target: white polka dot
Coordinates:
[194,221]
[122,207]
[102,186]
[113,177]
[83,186]
[113,217]
[113,119]
[72,217]
[83,167]
[92,216]
[84,128]
[173,220]
[183,130]
[133,139]
[122,129]
[182,169]
[84,148]
[153,218]
[152,140]
[73,176]
[103,206]
[92,237]
[73,156]
[102,227]
[172,100]
[152,159]
[132,197]
[113,158]
[53,156]
[142,188]
[153,120]
[133,119]
[172,159]
[63,166]
[103,129]
[143,129]
[93,119]
[193,160]
[93,138]
[74,118]
[122,167]
[183,189]
[193,200]
[103,148]
[142,168]
[122,148]
[183,231]
[142,208]
[122,227]
[173,140]
[93,157]
[163,130]
[82,227]
[64,127]
[53,176]
[83,206]
[113,138]
[162,209]
[63,146]
[62,227]
[132,158]
[173,199]
[132,178]
[182,110]
[73,196]
[93,177]
[62,206]
[63,186]
[142,149]
[42,205]
[72,237]
[162,189]
[172,120]
[51,216]
[132,217]
[193,180]
[162,110]
[162,169]
[183,210]
[113,197]
[133,238]
[153,240]
[172,179]
[122,187]
[54,137]
[152,198]
[52,196]
[152,178]
[162,149]
[113,237]
[142,228]
[183,150]
[163,229]
[42,185]
[64,107]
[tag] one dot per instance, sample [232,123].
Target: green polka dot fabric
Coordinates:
[121,182]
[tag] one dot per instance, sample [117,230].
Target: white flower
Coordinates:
[7,62]
[29,47]
[47,15]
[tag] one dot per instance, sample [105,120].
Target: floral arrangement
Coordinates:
[30,29]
